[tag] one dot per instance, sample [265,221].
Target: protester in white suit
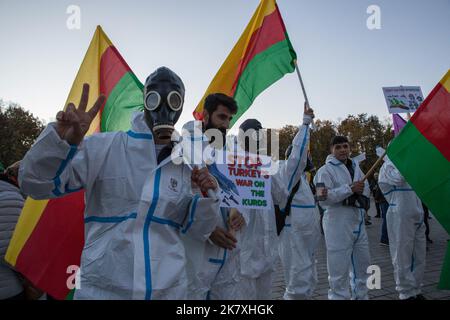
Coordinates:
[299,240]
[345,235]
[138,201]
[406,230]
[259,242]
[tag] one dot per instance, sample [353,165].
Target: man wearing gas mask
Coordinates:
[259,245]
[138,201]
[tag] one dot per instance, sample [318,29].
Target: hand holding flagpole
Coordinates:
[375,165]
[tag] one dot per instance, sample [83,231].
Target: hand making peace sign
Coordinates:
[73,123]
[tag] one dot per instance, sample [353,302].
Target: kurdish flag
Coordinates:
[421,152]
[262,56]
[49,235]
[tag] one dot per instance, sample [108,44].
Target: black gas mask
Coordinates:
[163,101]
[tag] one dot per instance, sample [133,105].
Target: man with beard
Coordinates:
[215,273]
[138,201]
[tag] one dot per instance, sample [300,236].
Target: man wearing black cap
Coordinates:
[259,244]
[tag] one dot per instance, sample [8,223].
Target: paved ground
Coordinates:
[381,257]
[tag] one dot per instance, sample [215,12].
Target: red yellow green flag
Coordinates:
[421,152]
[262,56]
[49,235]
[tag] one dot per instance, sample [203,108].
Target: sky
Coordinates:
[344,65]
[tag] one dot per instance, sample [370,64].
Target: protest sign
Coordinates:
[244,180]
[402,99]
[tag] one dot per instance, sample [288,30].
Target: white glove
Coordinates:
[307,119]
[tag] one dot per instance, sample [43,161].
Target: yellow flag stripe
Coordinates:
[446,81]
[31,213]
[223,80]
[33,209]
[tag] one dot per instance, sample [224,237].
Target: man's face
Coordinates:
[220,119]
[341,151]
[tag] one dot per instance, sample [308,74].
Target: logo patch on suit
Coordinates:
[173,184]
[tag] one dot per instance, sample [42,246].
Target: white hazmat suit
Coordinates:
[246,271]
[259,244]
[214,272]
[345,233]
[406,230]
[298,244]
[135,210]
